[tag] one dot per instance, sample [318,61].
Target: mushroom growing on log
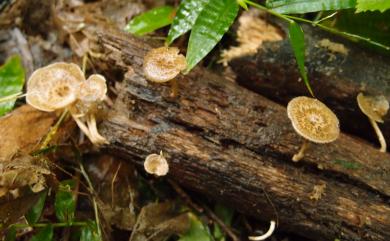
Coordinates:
[234,145]
[338,70]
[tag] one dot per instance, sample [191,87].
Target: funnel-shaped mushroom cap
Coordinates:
[54,86]
[163,64]
[156,164]
[313,120]
[94,89]
[375,107]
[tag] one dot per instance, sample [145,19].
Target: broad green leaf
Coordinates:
[372,5]
[211,24]
[35,211]
[297,41]
[151,20]
[226,215]
[11,82]
[65,204]
[11,234]
[45,234]
[89,232]
[304,6]
[197,231]
[185,18]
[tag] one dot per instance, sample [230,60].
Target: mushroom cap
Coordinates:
[375,107]
[163,64]
[313,120]
[156,164]
[93,89]
[54,86]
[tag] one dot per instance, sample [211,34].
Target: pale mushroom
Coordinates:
[375,108]
[164,64]
[54,87]
[313,120]
[267,234]
[156,164]
[62,86]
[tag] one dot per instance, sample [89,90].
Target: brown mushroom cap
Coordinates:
[54,86]
[156,164]
[313,120]
[163,64]
[375,107]
[93,89]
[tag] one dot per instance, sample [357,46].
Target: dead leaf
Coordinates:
[159,221]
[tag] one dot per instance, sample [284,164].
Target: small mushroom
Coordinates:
[267,234]
[156,164]
[54,87]
[164,64]
[375,108]
[313,120]
[62,86]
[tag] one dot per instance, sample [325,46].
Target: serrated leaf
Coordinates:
[372,5]
[35,211]
[211,24]
[89,232]
[197,231]
[65,203]
[304,6]
[151,20]
[45,234]
[185,18]
[297,41]
[11,82]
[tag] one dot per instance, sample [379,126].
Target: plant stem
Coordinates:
[53,130]
[11,97]
[95,207]
[261,7]
[55,225]
[378,132]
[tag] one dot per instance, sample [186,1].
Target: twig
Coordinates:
[185,197]
[113,182]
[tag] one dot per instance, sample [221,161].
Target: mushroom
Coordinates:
[267,234]
[164,64]
[375,108]
[62,86]
[156,164]
[313,120]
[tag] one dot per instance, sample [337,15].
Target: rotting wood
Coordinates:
[234,145]
[338,70]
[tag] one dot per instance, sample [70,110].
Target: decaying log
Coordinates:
[234,145]
[338,70]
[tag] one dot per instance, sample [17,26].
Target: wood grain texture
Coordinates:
[236,146]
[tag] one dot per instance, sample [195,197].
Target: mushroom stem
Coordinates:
[91,122]
[83,128]
[301,153]
[174,88]
[266,235]
[378,132]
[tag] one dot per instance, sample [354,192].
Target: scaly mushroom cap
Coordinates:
[313,120]
[156,164]
[54,87]
[163,64]
[375,107]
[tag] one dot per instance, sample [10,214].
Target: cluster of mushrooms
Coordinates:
[63,86]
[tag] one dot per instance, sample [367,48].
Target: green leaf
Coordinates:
[226,215]
[151,20]
[11,234]
[45,234]
[211,24]
[304,6]
[89,232]
[185,18]
[65,203]
[243,4]
[197,231]
[11,82]
[372,5]
[35,211]
[297,41]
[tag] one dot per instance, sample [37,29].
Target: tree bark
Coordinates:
[335,77]
[235,146]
